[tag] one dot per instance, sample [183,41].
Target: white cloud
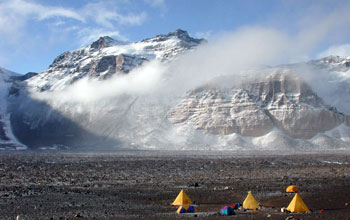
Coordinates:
[230,53]
[338,50]
[15,16]
[106,14]
[321,26]
[22,9]
[141,81]
[50,12]
[133,19]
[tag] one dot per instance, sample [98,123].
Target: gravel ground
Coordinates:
[141,185]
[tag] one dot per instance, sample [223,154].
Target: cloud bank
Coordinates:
[143,80]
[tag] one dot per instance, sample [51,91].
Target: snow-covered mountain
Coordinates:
[53,122]
[123,95]
[106,57]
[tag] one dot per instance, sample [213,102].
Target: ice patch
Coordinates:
[334,162]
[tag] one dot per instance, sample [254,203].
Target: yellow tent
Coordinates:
[250,202]
[182,199]
[292,188]
[297,205]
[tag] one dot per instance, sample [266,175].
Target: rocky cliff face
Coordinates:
[255,107]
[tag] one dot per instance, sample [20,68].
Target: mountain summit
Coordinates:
[179,34]
[106,57]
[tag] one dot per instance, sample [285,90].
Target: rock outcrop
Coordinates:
[255,107]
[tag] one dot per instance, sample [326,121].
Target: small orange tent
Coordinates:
[250,202]
[297,205]
[291,189]
[182,199]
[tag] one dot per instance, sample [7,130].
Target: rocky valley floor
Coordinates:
[141,185]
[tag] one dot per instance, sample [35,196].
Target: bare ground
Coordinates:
[37,185]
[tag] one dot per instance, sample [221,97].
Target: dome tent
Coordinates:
[292,188]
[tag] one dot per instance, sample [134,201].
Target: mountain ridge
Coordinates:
[104,58]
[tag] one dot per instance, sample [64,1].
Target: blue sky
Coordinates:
[34,32]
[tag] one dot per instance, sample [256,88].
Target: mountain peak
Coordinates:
[105,41]
[178,33]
